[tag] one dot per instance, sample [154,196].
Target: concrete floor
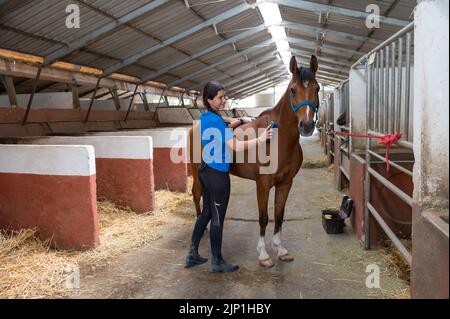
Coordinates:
[325,266]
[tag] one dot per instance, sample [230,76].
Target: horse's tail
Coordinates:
[194,132]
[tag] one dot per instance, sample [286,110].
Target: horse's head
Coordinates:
[304,95]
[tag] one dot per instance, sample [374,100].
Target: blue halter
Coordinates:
[304,103]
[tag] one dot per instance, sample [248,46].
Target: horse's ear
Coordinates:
[313,64]
[293,65]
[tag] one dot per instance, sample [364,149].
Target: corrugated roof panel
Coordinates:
[359,5]
[23,43]
[198,41]
[188,68]
[162,58]
[218,54]
[403,10]
[246,19]
[117,8]
[166,78]
[48,18]
[231,63]
[209,76]
[124,42]
[90,59]
[209,9]
[255,42]
[135,70]
[385,31]
[168,20]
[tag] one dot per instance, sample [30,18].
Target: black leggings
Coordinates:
[216,193]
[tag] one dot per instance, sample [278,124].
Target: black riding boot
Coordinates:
[193,258]
[218,264]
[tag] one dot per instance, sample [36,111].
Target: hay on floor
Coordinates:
[29,268]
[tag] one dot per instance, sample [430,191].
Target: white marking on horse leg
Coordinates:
[261,248]
[281,251]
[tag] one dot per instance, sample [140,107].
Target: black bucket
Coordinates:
[334,221]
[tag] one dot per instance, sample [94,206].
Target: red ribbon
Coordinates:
[386,140]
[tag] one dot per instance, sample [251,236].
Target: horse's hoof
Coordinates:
[286,258]
[266,263]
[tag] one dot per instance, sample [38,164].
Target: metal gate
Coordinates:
[388,106]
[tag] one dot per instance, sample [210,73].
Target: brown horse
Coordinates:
[295,114]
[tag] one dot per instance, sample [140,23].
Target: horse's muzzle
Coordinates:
[306,129]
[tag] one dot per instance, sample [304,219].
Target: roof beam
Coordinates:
[81,42]
[217,19]
[231,40]
[316,30]
[339,49]
[256,90]
[256,85]
[248,74]
[247,65]
[256,80]
[229,58]
[340,62]
[318,7]
[21,69]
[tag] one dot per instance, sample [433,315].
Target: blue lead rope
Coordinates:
[304,103]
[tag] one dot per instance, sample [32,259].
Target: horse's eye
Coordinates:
[293,91]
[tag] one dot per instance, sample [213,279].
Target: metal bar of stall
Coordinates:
[393,164]
[397,243]
[399,84]
[387,92]
[383,103]
[407,83]
[395,36]
[397,191]
[393,112]
[367,177]
[377,92]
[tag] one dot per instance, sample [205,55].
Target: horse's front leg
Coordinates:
[263,198]
[281,195]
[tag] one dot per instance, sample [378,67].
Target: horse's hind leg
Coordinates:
[281,195]
[263,197]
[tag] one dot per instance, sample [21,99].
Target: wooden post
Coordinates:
[10,90]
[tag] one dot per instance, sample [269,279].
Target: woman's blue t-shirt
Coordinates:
[215,133]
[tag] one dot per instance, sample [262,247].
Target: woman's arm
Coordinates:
[239,146]
[233,124]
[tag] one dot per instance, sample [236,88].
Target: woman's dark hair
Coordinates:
[209,92]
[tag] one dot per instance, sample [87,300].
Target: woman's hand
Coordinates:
[228,120]
[266,135]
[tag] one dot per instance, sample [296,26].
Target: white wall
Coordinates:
[431,101]
[357,106]
[57,100]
